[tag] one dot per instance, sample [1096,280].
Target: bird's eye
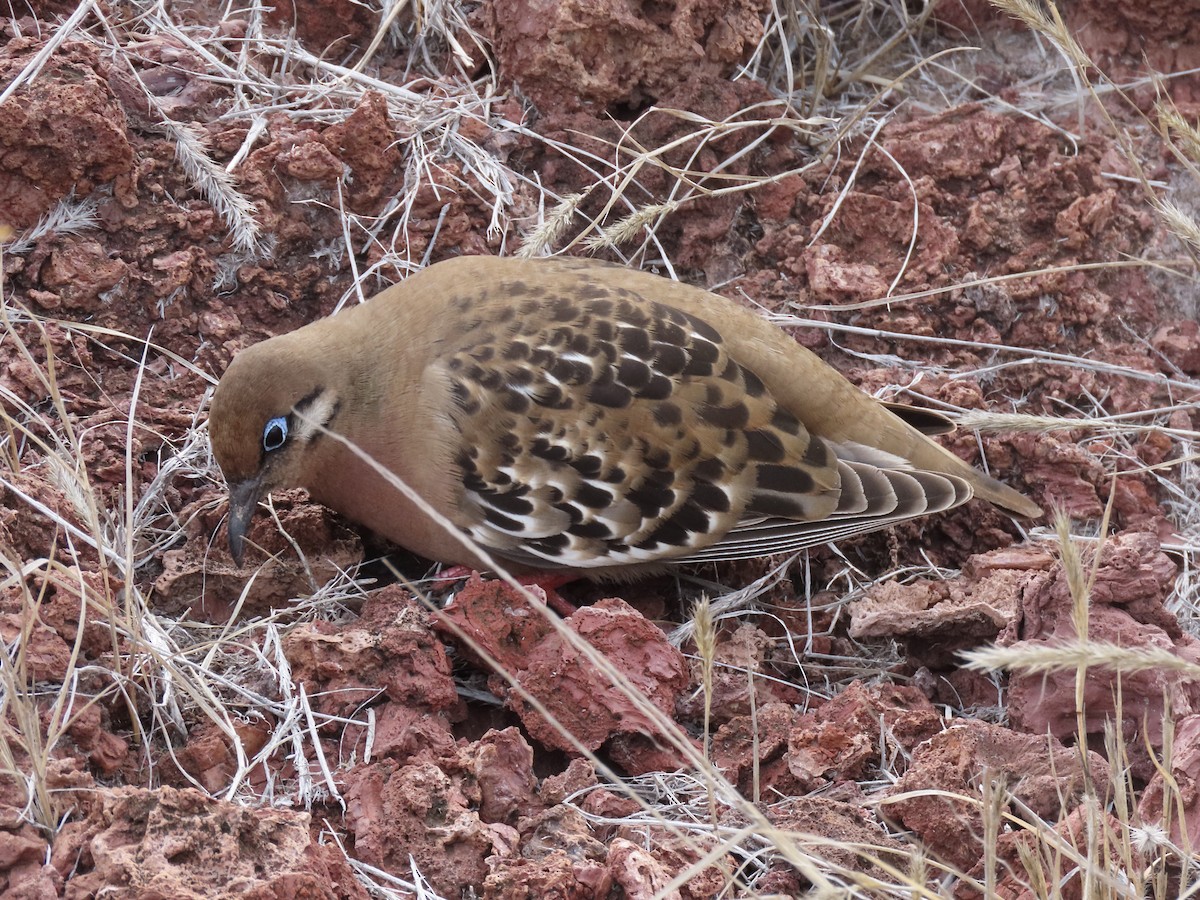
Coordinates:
[275,434]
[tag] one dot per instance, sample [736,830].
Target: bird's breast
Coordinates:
[418,474]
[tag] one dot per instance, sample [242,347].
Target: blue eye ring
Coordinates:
[275,434]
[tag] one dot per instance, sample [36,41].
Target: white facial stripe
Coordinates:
[315,416]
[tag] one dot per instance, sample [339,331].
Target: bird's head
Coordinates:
[270,409]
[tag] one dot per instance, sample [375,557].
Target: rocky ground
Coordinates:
[973,231]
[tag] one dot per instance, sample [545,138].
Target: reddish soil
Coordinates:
[412,750]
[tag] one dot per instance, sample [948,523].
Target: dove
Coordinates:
[574,415]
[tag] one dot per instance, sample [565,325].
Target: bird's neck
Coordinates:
[373,366]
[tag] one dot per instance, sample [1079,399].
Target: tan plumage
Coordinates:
[572,414]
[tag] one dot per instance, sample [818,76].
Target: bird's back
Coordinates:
[596,417]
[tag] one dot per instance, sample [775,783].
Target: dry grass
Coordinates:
[830,66]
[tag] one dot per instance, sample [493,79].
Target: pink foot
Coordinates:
[451,574]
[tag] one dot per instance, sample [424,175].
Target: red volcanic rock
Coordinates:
[182,844]
[390,651]
[366,143]
[23,872]
[936,619]
[77,274]
[1054,858]
[967,16]
[47,656]
[201,578]
[1185,790]
[565,55]
[579,775]
[401,731]
[1065,474]
[765,735]
[1041,703]
[666,851]
[331,27]
[844,833]
[33,535]
[106,752]
[738,664]
[1129,40]
[1041,772]
[552,875]
[497,620]
[454,808]
[560,857]
[63,131]
[559,829]
[589,709]
[834,278]
[1085,219]
[310,161]
[1126,608]
[843,738]
[638,873]
[422,813]
[209,757]
[1179,342]
[502,763]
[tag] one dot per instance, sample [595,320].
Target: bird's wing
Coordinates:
[912,493]
[603,429]
[600,429]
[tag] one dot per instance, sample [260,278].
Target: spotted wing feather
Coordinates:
[914,493]
[604,429]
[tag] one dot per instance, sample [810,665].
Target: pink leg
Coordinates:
[549,583]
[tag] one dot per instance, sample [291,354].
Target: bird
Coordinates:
[572,415]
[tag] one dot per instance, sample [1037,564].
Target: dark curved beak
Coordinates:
[243,501]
